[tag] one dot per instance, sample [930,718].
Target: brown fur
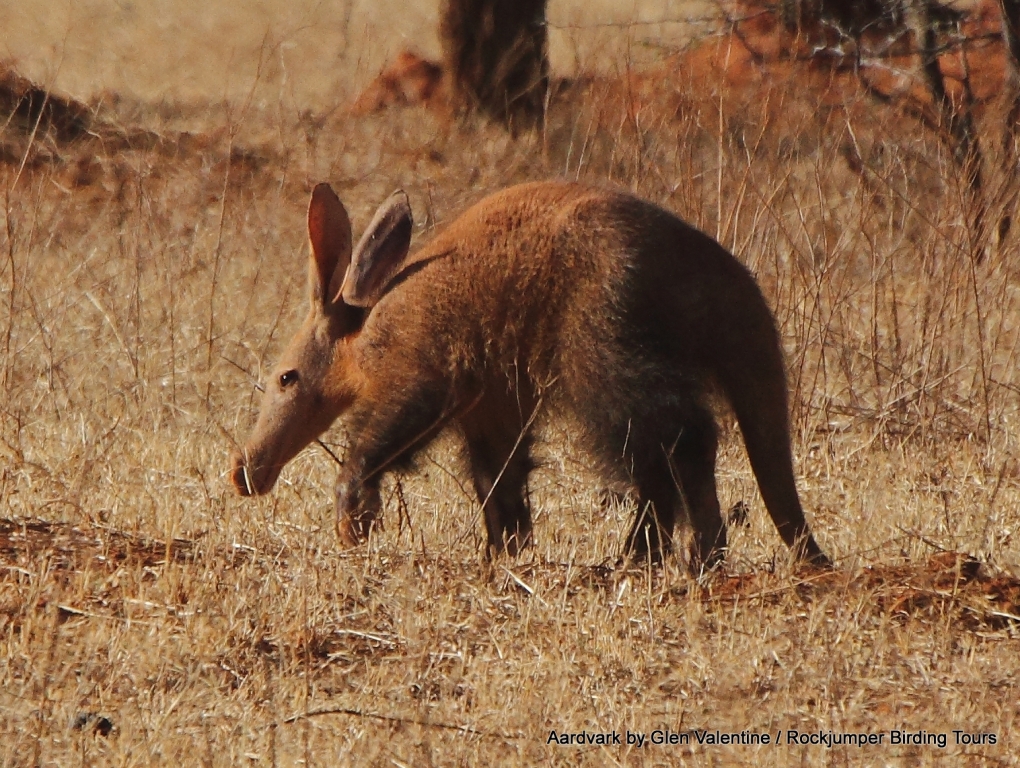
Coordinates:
[546,297]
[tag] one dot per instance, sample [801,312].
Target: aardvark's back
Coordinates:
[576,284]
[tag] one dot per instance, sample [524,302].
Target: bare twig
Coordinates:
[401,720]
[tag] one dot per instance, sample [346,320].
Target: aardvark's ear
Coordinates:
[329,233]
[380,253]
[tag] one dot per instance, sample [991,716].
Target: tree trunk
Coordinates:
[1010,10]
[957,121]
[851,17]
[494,52]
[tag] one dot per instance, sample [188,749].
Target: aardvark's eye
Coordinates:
[287,378]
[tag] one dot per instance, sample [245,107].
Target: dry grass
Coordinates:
[148,272]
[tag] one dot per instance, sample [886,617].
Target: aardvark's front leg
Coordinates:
[381,437]
[357,507]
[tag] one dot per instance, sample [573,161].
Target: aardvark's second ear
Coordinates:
[329,233]
[380,253]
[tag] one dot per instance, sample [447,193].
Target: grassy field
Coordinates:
[151,271]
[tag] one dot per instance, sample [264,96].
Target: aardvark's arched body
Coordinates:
[543,297]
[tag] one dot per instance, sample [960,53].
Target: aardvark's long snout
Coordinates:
[251,480]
